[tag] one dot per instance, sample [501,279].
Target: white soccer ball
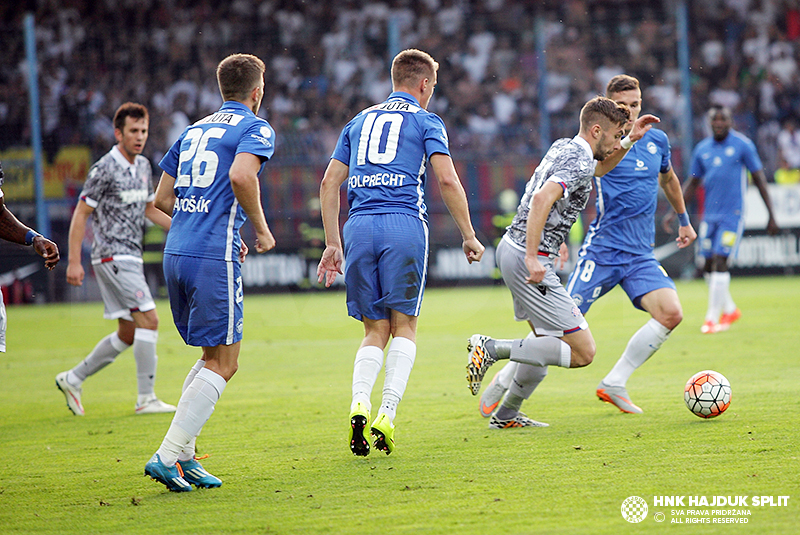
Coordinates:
[707,394]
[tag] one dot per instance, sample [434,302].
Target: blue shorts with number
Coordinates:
[637,274]
[720,236]
[206,299]
[386,264]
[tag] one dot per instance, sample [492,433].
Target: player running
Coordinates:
[554,196]
[382,154]
[618,250]
[210,185]
[720,163]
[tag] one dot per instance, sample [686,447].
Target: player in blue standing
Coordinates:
[554,196]
[618,250]
[382,155]
[720,162]
[210,186]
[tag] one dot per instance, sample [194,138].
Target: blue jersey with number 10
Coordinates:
[207,217]
[386,148]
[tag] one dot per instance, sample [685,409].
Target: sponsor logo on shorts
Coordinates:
[240,326]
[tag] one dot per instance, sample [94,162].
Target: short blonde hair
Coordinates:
[411,66]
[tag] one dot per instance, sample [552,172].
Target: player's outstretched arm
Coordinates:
[243,175]
[456,201]
[672,189]
[639,129]
[332,257]
[11,229]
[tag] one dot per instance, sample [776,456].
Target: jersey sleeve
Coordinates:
[169,163]
[666,154]
[573,171]
[750,156]
[435,136]
[697,167]
[94,187]
[258,139]
[342,150]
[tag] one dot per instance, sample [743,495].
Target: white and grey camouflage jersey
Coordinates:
[119,192]
[569,163]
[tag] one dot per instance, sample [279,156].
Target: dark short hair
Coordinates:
[620,83]
[238,74]
[412,65]
[604,109]
[129,109]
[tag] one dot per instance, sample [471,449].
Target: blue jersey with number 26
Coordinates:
[207,217]
[386,148]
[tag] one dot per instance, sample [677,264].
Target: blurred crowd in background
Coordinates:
[328,60]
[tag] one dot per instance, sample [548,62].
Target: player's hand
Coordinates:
[265,241]
[536,270]
[75,274]
[642,125]
[243,250]
[329,265]
[473,249]
[686,235]
[772,227]
[563,255]
[47,250]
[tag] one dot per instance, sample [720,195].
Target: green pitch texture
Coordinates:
[278,438]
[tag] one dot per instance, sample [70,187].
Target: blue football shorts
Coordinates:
[637,274]
[720,236]
[206,299]
[386,264]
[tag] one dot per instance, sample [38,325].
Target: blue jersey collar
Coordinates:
[228,104]
[402,95]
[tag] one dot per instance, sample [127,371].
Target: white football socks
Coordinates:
[718,285]
[399,361]
[101,356]
[526,379]
[641,347]
[144,351]
[194,409]
[542,351]
[367,366]
[187,454]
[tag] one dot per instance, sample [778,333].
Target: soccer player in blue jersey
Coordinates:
[618,250]
[382,154]
[210,186]
[554,196]
[720,162]
[12,230]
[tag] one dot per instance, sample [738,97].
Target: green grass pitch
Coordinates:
[278,438]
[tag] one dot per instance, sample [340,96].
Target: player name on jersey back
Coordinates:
[223,118]
[378,179]
[394,105]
